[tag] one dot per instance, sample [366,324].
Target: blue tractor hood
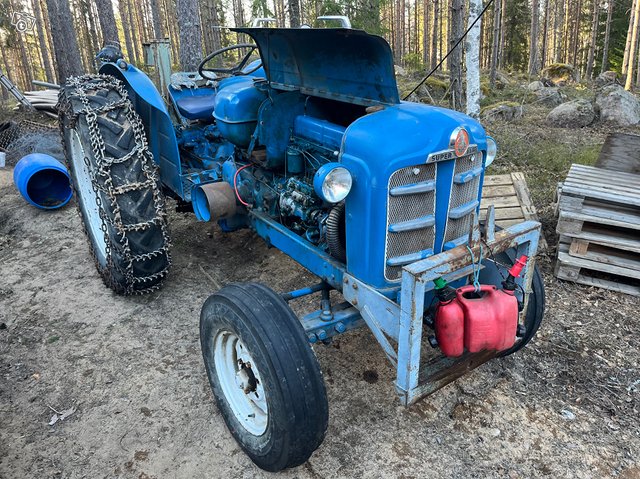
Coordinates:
[335,63]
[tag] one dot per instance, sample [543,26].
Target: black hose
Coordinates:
[335,233]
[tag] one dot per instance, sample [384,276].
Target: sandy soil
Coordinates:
[567,406]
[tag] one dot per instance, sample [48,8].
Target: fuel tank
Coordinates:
[391,223]
[236,108]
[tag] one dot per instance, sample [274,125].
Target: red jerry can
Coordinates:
[449,326]
[491,320]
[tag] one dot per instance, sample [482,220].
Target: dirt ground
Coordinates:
[567,406]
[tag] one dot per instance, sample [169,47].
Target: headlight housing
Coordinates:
[492,151]
[332,182]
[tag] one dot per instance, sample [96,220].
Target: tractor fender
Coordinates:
[158,126]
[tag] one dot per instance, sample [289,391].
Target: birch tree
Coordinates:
[472,45]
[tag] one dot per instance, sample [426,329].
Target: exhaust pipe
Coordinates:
[43,181]
[213,201]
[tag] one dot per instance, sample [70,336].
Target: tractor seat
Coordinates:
[197,107]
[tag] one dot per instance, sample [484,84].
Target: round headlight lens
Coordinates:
[333,183]
[492,151]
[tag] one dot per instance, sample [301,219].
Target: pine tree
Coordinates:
[190,35]
[107,21]
[65,43]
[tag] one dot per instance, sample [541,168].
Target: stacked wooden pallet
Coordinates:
[599,228]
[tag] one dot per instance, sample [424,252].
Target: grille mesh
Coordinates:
[462,194]
[409,207]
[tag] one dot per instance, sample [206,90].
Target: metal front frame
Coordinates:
[398,326]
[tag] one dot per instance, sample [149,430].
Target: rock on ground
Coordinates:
[572,114]
[606,78]
[503,112]
[535,85]
[618,106]
[549,96]
[560,73]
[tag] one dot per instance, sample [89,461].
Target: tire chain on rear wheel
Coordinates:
[80,85]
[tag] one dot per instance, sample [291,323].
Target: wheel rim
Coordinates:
[241,382]
[88,197]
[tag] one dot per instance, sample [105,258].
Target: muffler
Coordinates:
[213,201]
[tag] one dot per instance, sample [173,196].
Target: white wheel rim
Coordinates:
[250,407]
[88,197]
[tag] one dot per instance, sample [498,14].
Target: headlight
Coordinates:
[332,182]
[492,151]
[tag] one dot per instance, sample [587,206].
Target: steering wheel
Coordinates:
[234,70]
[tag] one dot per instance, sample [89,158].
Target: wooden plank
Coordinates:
[602,236]
[620,152]
[524,196]
[513,213]
[508,202]
[604,254]
[598,185]
[610,220]
[604,173]
[601,194]
[497,180]
[497,191]
[565,258]
[621,180]
[581,276]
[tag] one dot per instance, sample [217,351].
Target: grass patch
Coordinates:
[544,163]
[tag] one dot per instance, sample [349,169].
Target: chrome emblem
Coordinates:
[459,141]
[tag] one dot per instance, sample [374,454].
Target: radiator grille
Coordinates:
[404,207]
[463,193]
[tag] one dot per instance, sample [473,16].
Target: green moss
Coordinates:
[559,72]
[511,104]
[435,83]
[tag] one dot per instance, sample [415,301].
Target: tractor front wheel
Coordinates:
[264,375]
[116,182]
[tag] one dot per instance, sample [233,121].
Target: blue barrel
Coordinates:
[43,181]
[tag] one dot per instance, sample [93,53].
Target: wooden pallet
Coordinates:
[599,228]
[589,271]
[510,196]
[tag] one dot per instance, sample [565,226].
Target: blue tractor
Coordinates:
[311,147]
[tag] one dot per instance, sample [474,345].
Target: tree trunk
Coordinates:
[156,17]
[545,33]
[426,38]
[434,36]
[497,14]
[533,46]
[190,34]
[607,38]
[42,40]
[634,43]
[472,45]
[294,13]
[107,21]
[594,38]
[627,48]
[456,16]
[126,28]
[65,43]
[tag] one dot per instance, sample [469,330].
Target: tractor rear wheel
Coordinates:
[116,182]
[264,375]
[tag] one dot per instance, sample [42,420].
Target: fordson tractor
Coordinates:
[311,147]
